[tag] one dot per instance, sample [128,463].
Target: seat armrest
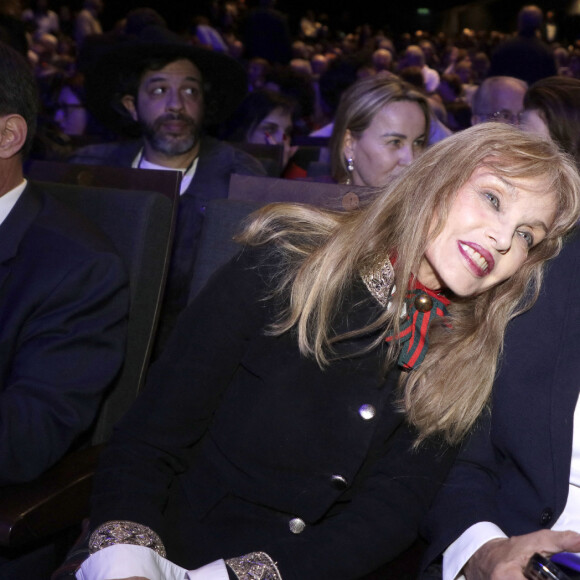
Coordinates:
[55,501]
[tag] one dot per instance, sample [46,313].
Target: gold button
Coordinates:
[423,302]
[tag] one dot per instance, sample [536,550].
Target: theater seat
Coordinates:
[39,519]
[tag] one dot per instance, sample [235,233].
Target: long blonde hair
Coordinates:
[324,252]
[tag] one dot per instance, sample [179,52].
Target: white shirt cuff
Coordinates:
[126,560]
[213,571]
[458,553]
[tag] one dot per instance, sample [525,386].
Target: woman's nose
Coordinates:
[406,155]
[501,236]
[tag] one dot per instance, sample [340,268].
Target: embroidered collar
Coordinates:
[380,281]
[423,305]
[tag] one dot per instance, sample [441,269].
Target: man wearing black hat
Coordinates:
[170,90]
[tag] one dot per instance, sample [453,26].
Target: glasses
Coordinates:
[503,116]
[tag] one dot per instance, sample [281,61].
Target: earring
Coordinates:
[350,169]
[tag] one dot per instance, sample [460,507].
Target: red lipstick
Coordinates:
[479,260]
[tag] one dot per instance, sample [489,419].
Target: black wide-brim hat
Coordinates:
[225,80]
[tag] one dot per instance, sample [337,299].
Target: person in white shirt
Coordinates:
[515,489]
[414,56]
[167,91]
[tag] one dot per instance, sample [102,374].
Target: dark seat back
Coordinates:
[224,217]
[166,182]
[33,516]
[136,209]
[270,156]
[270,189]
[140,225]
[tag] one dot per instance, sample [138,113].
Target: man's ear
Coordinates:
[13,133]
[128,101]
[348,144]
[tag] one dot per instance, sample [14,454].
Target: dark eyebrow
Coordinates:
[400,135]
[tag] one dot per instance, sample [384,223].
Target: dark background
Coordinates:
[393,17]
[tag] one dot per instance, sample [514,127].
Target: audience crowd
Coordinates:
[309,63]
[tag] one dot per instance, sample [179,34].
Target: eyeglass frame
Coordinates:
[503,116]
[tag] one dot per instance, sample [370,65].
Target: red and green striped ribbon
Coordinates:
[413,336]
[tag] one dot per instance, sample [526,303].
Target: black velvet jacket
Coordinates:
[238,438]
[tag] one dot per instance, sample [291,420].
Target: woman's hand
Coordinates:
[505,559]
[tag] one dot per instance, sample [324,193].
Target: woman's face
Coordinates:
[492,224]
[273,129]
[532,121]
[392,140]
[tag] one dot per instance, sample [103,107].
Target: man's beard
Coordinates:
[168,143]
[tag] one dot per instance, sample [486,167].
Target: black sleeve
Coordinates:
[68,351]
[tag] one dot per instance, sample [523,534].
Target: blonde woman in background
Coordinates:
[380,126]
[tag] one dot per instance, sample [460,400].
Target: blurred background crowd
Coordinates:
[307,57]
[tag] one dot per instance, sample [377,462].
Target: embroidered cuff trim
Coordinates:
[123,532]
[254,566]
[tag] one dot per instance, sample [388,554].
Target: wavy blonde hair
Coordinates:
[324,252]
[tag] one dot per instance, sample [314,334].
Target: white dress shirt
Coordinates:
[9,199]
[124,561]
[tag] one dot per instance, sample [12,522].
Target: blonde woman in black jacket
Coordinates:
[308,405]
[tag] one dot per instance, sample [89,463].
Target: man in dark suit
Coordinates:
[63,301]
[515,488]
